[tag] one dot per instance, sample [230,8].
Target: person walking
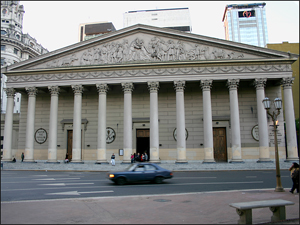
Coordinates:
[132,158]
[142,158]
[113,163]
[295,177]
[146,157]
[22,156]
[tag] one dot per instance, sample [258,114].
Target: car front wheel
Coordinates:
[158,180]
[121,181]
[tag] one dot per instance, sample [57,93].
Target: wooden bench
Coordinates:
[277,206]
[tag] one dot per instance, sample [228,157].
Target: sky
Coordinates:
[55,24]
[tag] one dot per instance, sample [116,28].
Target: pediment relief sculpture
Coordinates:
[155,49]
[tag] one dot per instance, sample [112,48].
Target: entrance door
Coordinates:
[70,144]
[143,141]
[220,146]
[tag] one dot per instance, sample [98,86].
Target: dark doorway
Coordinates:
[143,141]
[70,144]
[220,146]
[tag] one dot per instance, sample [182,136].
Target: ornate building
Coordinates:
[15,46]
[177,96]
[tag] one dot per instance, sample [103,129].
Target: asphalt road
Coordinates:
[39,185]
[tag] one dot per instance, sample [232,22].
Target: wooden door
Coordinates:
[70,144]
[220,146]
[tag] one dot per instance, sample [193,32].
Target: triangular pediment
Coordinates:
[146,44]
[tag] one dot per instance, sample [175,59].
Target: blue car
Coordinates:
[140,172]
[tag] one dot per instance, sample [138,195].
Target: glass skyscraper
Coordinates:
[246,23]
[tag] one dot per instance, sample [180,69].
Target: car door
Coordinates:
[137,174]
[150,172]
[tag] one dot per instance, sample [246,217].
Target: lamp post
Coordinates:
[274,114]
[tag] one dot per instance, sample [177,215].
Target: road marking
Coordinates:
[251,176]
[64,184]
[193,178]
[253,182]
[77,193]
[58,179]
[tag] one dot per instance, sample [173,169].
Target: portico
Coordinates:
[181,100]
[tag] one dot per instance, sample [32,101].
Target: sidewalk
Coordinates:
[170,165]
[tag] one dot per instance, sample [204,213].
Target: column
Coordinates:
[154,129]
[207,122]
[32,92]
[235,121]
[52,147]
[76,148]
[127,138]
[8,127]
[289,115]
[180,121]
[264,152]
[101,146]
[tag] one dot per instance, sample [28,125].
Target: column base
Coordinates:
[209,161]
[53,162]
[279,189]
[236,161]
[101,162]
[292,159]
[264,161]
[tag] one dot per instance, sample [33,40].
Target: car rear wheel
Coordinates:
[121,181]
[158,180]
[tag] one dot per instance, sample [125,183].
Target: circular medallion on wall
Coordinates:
[175,134]
[110,135]
[40,135]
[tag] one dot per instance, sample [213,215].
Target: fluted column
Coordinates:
[101,147]
[8,127]
[289,115]
[52,146]
[180,121]
[154,129]
[207,122]
[235,121]
[127,134]
[264,151]
[76,150]
[29,145]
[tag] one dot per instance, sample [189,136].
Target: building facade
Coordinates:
[173,18]
[246,23]
[91,30]
[15,46]
[177,96]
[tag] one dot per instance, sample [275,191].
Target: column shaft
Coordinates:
[127,141]
[154,128]
[101,148]
[207,122]
[180,122]
[264,151]
[289,112]
[235,121]
[29,145]
[8,127]
[52,148]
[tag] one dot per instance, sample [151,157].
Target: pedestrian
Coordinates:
[138,158]
[146,157]
[113,159]
[22,156]
[142,158]
[14,159]
[295,177]
[132,157]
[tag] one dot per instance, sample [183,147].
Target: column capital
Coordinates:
[233,84]
[54,90]
[206,84]
[32,91]
[127,87]
[153,86]
[179,85]
[102,88]
[77,89]
[10,92]
[260,83]
[287,82]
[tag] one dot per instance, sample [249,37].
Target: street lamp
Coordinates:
[274,114]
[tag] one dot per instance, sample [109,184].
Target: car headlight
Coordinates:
[111,175]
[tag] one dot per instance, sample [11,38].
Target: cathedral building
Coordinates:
[178,96]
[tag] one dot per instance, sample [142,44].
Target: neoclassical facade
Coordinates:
[177,96]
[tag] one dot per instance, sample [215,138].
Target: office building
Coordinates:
[91,30]
[179,97]
[15,46]
[173,18]
[246,23]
